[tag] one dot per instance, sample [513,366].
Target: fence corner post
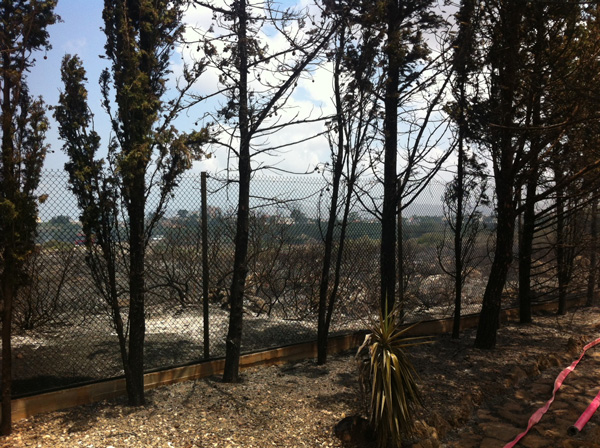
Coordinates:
[205,270]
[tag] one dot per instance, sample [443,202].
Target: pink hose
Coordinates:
[585,417]
[537,415]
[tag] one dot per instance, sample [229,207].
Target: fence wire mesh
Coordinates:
[64,333]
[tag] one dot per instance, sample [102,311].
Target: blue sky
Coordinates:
[80,33]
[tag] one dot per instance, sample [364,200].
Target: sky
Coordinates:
[80,33]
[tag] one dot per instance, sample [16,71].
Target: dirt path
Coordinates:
[501,420]
[472,398]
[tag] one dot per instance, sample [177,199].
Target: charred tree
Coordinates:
[23,31]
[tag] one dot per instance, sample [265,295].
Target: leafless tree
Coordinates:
[256,82]
[351,135]
[41,301]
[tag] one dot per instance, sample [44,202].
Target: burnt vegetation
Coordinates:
[487,109]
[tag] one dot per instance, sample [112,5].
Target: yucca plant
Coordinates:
[394,392]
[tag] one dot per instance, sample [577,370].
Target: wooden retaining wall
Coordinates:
[104,390]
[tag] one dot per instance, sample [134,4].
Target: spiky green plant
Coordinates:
[394,392]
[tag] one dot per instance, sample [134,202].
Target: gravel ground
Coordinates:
[297,405]
[69,354]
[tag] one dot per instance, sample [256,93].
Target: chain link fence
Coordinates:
[64,333]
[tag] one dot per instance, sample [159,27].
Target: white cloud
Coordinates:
[311,98]
[75,46]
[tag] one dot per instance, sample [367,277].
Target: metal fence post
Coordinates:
[205,271]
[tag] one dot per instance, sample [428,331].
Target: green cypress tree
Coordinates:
[140,38]
[23,30]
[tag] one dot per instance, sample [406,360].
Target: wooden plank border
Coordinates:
[104,390]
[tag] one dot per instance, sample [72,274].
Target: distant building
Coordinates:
[213,212]
[413,220]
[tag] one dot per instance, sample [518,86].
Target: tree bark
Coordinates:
[462,65]
[400,248]
[526,251]
[9,272]
[137,318]
[489,318]
[113,297]
[8,290]
[240,270]
[458,230]
[503,148]
[323,326]
[388,218]
[561,262]
[591,286]
[528,229]
[240,264]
